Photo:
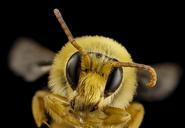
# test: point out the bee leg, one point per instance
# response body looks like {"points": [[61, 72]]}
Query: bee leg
{"points": [[116, 117], [137, 113], [38, 109], [60, 110]]}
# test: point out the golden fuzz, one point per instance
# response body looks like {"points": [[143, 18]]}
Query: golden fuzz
{"points": [[106, 46]]}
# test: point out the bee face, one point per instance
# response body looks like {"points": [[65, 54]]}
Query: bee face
{"points": [[93, 82], [90, 76], [88, 86]]}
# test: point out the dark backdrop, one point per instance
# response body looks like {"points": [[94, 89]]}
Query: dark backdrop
{"points": [[152, 32]]}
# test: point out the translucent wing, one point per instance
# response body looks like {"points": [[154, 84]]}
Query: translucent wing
{"points": [[169, 75], [30, 60]]}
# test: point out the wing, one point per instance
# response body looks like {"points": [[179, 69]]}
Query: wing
{"points": [[30, 60], [168, 74]]}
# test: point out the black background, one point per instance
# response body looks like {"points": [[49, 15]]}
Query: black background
{"points": [[152, 33]]}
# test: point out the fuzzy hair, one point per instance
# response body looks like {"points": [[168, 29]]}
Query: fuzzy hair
{"points": [[109, 47]]}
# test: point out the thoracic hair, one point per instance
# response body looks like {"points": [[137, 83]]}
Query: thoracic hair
{"points": [[122, 96]]}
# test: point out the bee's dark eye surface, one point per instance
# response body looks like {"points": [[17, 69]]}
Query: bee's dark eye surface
{"points": [[73, 69], [114, 80]]}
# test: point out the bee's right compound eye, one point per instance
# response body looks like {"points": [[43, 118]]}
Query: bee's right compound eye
{"points": [[73, 69]]}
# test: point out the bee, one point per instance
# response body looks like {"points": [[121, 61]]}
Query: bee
{"points": [[92, 82]]}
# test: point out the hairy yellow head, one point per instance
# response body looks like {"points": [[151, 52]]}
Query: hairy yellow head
{"points": [[91, 81], [94, 71]]}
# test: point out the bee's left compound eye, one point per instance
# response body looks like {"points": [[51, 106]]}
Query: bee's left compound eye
{"points": [[73, 69], [114, 81]]}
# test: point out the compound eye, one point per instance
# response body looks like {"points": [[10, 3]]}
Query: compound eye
{"points": [[114, 81], [73, 69]]}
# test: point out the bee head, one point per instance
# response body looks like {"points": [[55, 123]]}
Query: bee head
{"points": [[92, 76]]}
